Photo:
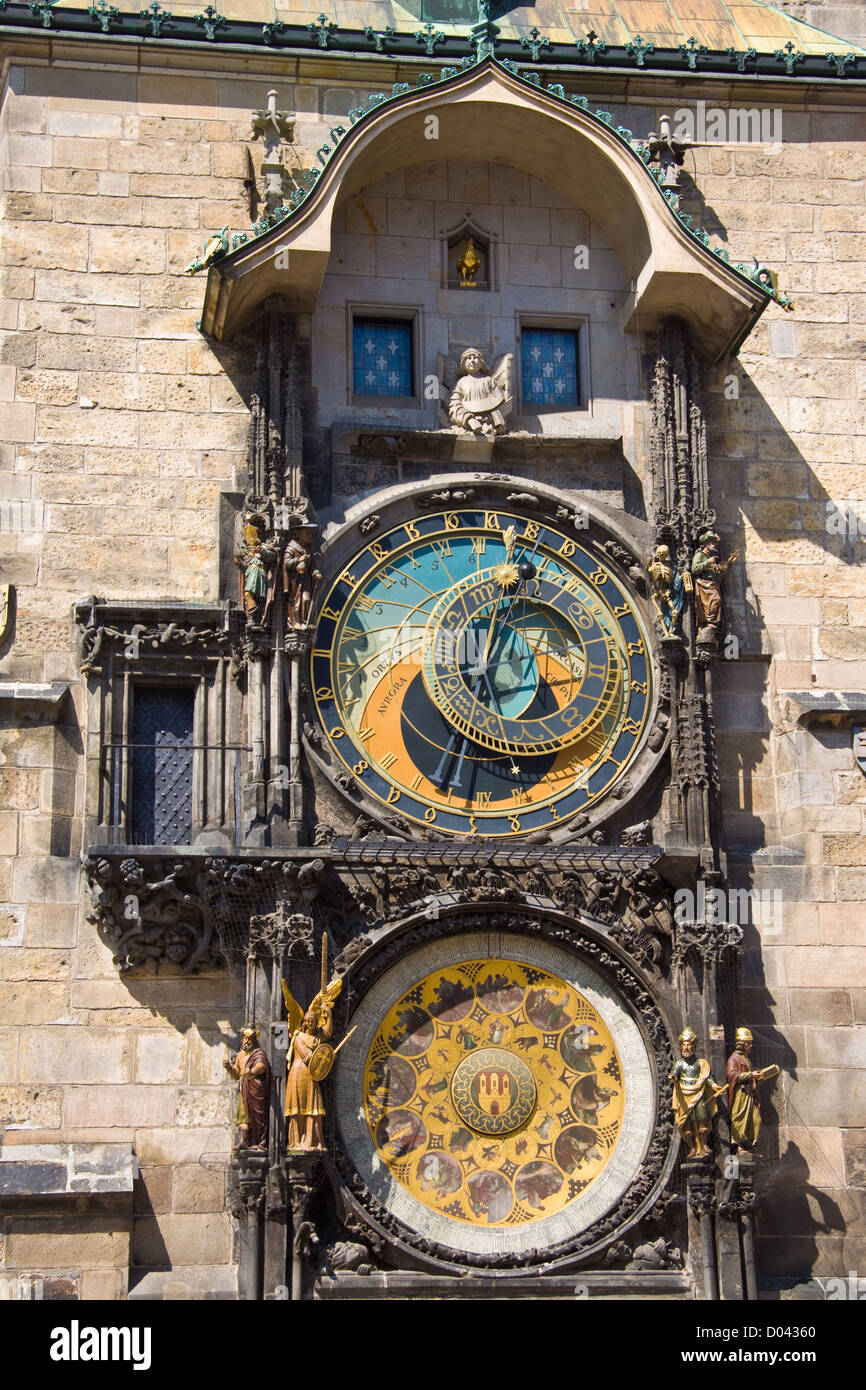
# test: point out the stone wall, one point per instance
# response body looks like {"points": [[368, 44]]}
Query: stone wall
{"points": [[124, 426], [847, 18], [548, 260]]}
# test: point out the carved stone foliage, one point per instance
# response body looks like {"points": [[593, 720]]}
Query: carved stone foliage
{"points": [[196, 912], [283, 933], [655, 1165], [153, 916], [107, 633], [247, 1183]]}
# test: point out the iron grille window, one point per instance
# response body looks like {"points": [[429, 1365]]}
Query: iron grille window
{"points": [[382, 357], [161, 766], [549, 367]]}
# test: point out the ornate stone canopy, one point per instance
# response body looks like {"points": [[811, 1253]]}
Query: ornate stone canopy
{"points": [[488, 112]]}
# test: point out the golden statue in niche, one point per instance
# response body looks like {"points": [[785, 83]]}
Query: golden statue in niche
{"points": [[468, 266]]}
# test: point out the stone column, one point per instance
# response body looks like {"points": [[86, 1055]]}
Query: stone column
{"points": [[251, 1168], [701, 1197], [303, 1175]]}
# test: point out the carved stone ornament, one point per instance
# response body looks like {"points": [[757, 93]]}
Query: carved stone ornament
{"points": [[153, 919], [656, 1254], [284, 933], [106, 633]]}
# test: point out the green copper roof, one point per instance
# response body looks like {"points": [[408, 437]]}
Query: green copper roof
{"points": [[666, 24], [731, 36]]}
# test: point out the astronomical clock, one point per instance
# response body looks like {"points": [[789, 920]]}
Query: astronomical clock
{"points": [[481, 673], [486, 692]]}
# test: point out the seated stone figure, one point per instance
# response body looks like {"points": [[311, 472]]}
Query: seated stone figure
{"points": [[480, 401]]}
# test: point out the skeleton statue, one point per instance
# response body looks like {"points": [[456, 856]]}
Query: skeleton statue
{"points": [[667, 590]]}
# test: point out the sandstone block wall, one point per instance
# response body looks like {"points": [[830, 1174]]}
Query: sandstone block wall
{"points": [[120, 427]]}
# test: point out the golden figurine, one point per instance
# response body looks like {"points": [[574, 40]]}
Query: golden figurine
{"points": [[742, 1088], [251, 1069], [309, 1060], [694, 1098], [468, 265]]}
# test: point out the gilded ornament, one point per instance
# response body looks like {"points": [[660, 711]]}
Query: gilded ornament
{"points": [[493, 1092]]}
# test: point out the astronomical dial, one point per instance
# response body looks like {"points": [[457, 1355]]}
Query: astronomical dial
{"points": [[481, 673]]}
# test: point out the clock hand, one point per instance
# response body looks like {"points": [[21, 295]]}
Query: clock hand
{"points": [[440, 771], [491, 627], [509, 538], [517, 590], [480, 670]]}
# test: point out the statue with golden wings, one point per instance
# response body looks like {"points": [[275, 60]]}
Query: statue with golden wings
{"points": [[309, 1060]]}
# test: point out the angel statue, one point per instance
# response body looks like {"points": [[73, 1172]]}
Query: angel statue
{"points": [[309, 1060], [481, 400]]}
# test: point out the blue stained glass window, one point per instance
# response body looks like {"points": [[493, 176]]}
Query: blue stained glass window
{"points": [[381, 357], [549, 362]]}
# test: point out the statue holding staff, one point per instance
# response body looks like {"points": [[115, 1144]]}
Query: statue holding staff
{"points": [[252, 1071]]}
